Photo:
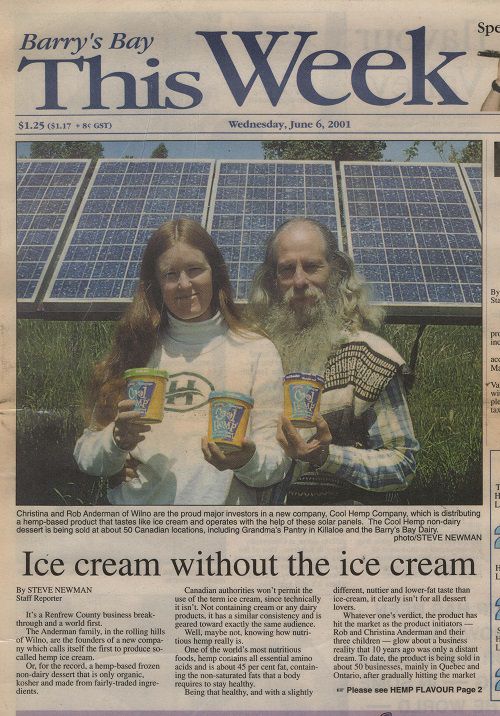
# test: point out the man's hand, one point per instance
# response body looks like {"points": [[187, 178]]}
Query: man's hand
{"points": [[230, 461], [128, 431], [314, 450]]}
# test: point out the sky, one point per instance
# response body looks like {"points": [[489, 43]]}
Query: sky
{"points": [[237, 149]]}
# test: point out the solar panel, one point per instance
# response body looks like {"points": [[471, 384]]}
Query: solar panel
{"points": [[46, 193], [413, 234], [125, 201], [251, 199], [473, 175]]}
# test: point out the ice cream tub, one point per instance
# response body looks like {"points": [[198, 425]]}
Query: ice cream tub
{"points": [[302, 395], [146, 387], [228, 419]]}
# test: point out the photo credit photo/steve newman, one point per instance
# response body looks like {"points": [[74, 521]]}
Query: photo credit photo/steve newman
{"points": [[250, 346]]}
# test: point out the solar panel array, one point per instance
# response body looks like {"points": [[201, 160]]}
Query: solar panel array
{"points": [[253, 198], [412, 232], [125, 201], [473, 176], [46, 193]]}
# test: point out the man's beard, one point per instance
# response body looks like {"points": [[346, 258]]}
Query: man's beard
{"points": [[305, 334]]}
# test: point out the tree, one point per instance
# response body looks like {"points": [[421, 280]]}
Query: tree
{"points": [[325, 150], [160, 152], [472, 152], [67, 150]]}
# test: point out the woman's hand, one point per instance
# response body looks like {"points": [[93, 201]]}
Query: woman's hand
{"points": [[126, 474], [231, 461], [128, 431], [314, 450]]}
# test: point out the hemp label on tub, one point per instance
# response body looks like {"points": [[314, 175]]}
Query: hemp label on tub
{"points": [[226, 418], [303, 399], [141, 393]]}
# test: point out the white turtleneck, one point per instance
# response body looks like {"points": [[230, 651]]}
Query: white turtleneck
{"points": [[200, 356]]}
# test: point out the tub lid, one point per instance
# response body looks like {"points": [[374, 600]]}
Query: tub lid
{"points": [[144, 372], [305, 376], [228, 395]]}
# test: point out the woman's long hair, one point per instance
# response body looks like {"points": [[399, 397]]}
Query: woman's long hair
{"points": [[138, 330]]}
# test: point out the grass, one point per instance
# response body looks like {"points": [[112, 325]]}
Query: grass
{"points": [[55, 359], [446, 408]]}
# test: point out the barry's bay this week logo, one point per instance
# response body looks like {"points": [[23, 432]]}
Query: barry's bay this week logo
{"points": [[281, 63]]}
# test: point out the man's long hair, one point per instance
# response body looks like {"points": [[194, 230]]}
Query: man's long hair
{"points": [[146, 318], [349, 293]]}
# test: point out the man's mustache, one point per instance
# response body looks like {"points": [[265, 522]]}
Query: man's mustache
{"points": [[309, 292]]}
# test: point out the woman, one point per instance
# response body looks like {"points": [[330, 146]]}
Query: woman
{"points": [[183, 319]]}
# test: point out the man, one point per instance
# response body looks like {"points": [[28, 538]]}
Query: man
{"points": [[315, 308]]}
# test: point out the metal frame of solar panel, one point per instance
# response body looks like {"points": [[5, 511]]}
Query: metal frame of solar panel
{"points": [[125, 201], [252, 198], [47, 190], [413, 233], [473, 176]]}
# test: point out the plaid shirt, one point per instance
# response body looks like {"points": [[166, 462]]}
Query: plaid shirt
{"points": [[386, 461]]}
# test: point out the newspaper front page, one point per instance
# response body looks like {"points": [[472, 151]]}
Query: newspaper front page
{"points": [[378, 119]]}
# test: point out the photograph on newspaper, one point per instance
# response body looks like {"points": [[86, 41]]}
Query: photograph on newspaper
{"points": [[250, 308], [301, 230]]}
